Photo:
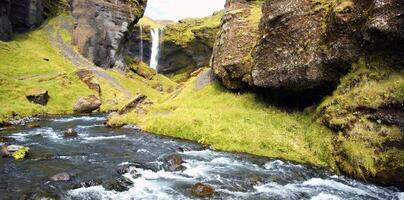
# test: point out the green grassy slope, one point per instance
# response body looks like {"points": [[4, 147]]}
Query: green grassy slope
{"points": [[32, 61], [236, 122]]}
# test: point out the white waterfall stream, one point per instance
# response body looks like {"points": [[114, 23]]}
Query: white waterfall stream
{"points": [[141, 43], [154, 59]]}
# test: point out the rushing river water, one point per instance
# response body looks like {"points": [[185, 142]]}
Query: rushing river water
{"points": [[93, 158]]}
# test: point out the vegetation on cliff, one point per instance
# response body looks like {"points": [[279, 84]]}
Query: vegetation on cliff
{"points": [[33, 62]]}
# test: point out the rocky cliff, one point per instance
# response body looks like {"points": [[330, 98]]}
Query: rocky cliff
{"points": [[21, 16], [231, 59], [188, 43], [299, 52], [102, 28]]}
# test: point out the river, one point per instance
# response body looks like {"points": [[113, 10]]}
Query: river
{"points": [[94, 158]]}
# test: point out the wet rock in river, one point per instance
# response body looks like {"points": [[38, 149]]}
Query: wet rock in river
{"points": [[173, 162], [86, 184], [71, 133], [123, 169], [60, 177], [202, 190], [120, 185], [254, 180]]}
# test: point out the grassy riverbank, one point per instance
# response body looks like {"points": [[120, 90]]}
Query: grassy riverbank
{"points": [[236, 122]]}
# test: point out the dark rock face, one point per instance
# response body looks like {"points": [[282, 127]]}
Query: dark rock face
{"points": [[27, 14], [385, 27], [87, 104], [40, 97], [287, 57], [231, 60], [20, 16], [5, 24], [140, 44], [102, 29], [188, 44]]}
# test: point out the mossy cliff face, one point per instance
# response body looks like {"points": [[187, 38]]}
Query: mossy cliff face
{"points": [[305, 49], [188, 43], [231, 59], [102, 29]]}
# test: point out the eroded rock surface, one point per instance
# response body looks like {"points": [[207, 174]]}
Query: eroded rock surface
{"points": [[231, 59], [102, 28], [87, 104]]}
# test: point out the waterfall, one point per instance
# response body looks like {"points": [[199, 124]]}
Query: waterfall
{"points": [[141, 43], [154, 59]]}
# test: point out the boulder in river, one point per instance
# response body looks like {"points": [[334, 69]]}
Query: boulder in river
{"points": [[87, 104], [71, 133], [120, 185], [254, 180], [40, 97], [60, 177], [173, 162], [202, 190]]}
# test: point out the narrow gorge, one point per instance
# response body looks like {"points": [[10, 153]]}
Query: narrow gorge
{"points": [[202, 99]]}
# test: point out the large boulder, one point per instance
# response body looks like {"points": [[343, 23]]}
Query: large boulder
{"points": [[385, 27], [291, 54], [231, 59], [102, 29], [38, 96], [87, 104]]}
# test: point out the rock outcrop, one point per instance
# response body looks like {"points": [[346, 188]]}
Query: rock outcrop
{"points": [[102, 28], [231, 59], [21, 16], [188, 43], [87, 104], [305, 50], [39, 97], [5, 24]]}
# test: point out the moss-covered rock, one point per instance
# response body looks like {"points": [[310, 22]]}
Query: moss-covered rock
{"points": [[366, 111], [188, 43], [231, 59]]}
